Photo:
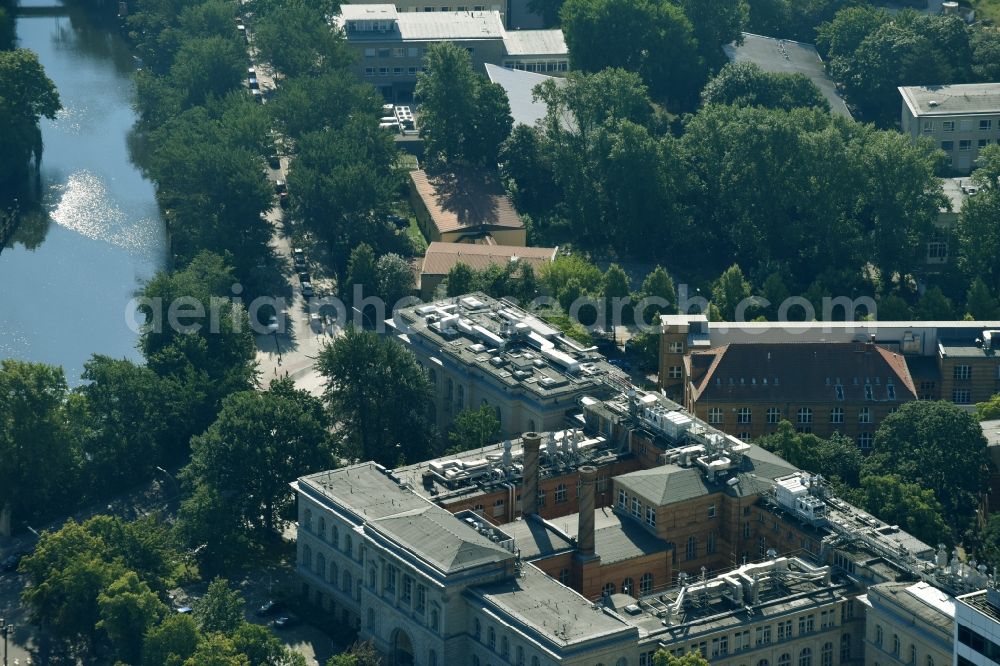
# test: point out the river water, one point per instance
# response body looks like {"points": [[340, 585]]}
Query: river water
{"points": [[74, 266]]}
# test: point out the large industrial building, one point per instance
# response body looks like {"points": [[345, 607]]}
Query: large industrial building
{"points": [[630, 527]]}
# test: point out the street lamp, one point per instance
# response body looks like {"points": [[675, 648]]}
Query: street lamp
{"points": [[6, 629]]}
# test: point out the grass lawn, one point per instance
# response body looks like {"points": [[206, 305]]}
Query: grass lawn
{"points": [[987, 9]]}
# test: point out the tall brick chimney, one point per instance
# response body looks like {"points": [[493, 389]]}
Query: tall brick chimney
{"points": [[585, 533], [531, 441]]}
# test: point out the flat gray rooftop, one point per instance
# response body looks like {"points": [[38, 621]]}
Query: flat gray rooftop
{"points": [[557, 614], [388, 508], [960, 99], [517, 350], [535, 42], [783, 56], [524, 108]]}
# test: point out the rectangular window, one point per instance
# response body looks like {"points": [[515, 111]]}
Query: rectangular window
{"points": [[398, 53], [390, 579], [773, 414], [675, 372], [560, 494], [837, 415], [710, 546], [985, 125], [407, 595], [865, 415], [865, 440], [715, 415], [541, 498], [961, 372], [622, 499], [965, 144], [743, 415], [398, 71], [784, 630], [711, 511], [928, 126], [948, 125], [675, 347], [890, 392], [369, 71], [965, 125], [384, 53], [764, 635], [370, 53], [383, 71], [982, 143], [947, 146], [961, 397], [651, 516], [421, 598], [805, 415], [636, 508]]}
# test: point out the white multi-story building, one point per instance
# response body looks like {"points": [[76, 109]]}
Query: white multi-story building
{"points": [[960, 119], [977, 628]]}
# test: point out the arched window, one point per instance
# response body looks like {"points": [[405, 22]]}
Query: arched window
{"points": [[307, 557], [504, 647], [608, 589], [806, 657], [432, 375], [826, 655], [333, 573], [628, 586], [534, 661], [785, 659], [646, 583], [930, 660], [432, 658], [519, 660], [477, 629], [348, 545], [895, 644], [763, 662], [435, 618], [622, 661], [371, 618], [878, 635], [371, 577], [845, 649], [491, 638], [692, 548], [321, 529], [307, 519], [475, 660], [346, 584], [320, 564], [531, 425], [335, 536]]}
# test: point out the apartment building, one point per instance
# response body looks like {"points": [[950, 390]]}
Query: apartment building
{"points": [[958, 361], [960, 119], [480, 351], [390, 45], [404, 6]]}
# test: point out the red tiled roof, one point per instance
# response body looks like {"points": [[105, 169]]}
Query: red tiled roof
{"points": [[442, 257], [799, 372], [466, 200]]}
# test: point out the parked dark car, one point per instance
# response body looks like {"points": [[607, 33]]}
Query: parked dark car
{"points": [[304, 277], [273, 162]]}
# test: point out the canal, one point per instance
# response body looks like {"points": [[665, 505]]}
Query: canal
{"points": [[78, 260]]}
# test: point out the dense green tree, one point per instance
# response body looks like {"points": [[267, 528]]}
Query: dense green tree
{"points": [[528, 172], [40, 451], [938, 446], [217, 650], [569, 277], [312, 103], [977, 232], [935, 306], [912, 507], [729, 291], [744, 83], [263, 648], [979, 302], [171, 642], [26, 96], [210, 523], [260, 441], [220, 609], [395, 279], [446, 90], [361, 271], [838, 458], [650, 37], [206, 66], [128, 609], [715, 23], [989, 410], [892, 307], [986, 54], [658, 285], [296, 38], [460, 280], [359, 654], [211, 361], [463, 117], [342, 182], [693, 658], [792, 19], [473, 429], [212, 18], [380, 395]]}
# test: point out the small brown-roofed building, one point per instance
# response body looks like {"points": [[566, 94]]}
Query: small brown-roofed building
{"points": [[440, 258], [464, 206], [821, 387]]}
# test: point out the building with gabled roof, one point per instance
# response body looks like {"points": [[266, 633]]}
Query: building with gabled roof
{"points": [[820, 387], [441, 257], [464, 207]]}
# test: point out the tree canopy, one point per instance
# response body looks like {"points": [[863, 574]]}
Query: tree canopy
{"points": [[744, 83], [26, 95]]}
